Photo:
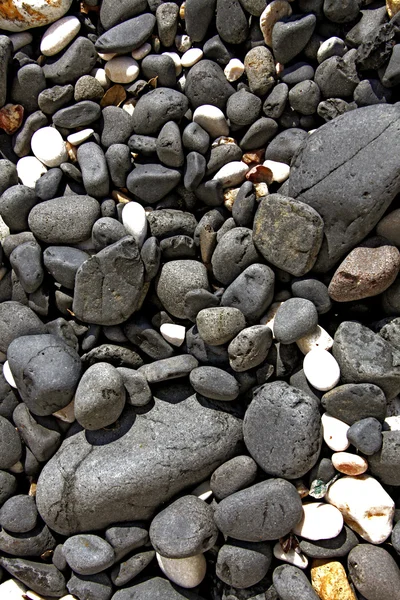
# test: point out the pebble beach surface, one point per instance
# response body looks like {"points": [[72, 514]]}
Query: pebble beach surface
{"points": [[200, 300]]}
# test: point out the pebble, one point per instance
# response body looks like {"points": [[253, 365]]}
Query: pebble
{"points": [[211, 119], [374, 572], [219, 325], [280, 171], [329, 580], [49, 147], [352, 402], [320, 521], [135, 222], [243, 564], [122, 69], [214, 383], [366, 435], [234, 475], [231, 174], [19, 18], [260, 69], [10, 444], [172, 286], [77, 60], [8, 376], [291, 583], [249, 348], [234, 70], [293, 557], [127, 36], [87, 554], [18, 514], [335, 433], [273, 13], [321, 369], [30, 169], [80, 136], [332, 548], [191, 57], [349, 464], [295, 318], [59, 35], [317, 339], [174, 334], [185, 572]]}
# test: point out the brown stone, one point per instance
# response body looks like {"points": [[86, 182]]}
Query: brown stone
{"points": [[329, 580], [260, 174], [11, 117], [365, 272]]}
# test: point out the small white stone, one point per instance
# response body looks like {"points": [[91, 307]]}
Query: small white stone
{"points": [[212, 119], [191, 57], [320, 522], [234, 69], [59, 35], [292, 557], [365, 505], [29, 170], [202, 491], [321, 369], [182, 83], [316, 339], [393, 423], [349, 463], [122, 69], [186, 572], [280, 170], [101, 76], [19, 40], [177, 61], [66, 414], [108, 56], [32, 14], [232, 173], [335, 433], [174, 334], [135, 221], [49, 147], [12, 590], [269, 318], [142, 51], [80, 136], [8, 376], [129, 106], [183, 42]]}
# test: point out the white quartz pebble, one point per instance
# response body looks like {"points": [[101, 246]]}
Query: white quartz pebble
{"points": [[365, 505], [186, 572], [122, 69], [177, 61], [317, 338], [212, 119], [135, 221], [19, 40], [349, 463], [393, 423], [12, 590], [8, 376], [191, 57], [59, 35], [202, 491], [142, 51], [49, 147], [29, 170], [101, 77], [232, 173], [174, 334], [321, 369], [333, 46], [280, 170], [292, 557], [108, 56], [234, 69], [320, 521], [335, 433], [80, 136]]}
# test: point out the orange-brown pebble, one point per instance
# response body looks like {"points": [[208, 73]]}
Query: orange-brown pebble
{"points": [[329, 580], [349, 464], [11, 117], [260, 174]]}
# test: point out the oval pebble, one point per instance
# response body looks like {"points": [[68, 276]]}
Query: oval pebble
{"points": [[142, 51], [19, 40], [348, 463], [59, 35], [186, 572], [191, 57], [232, 174], [174, 334], [122, 69], [212, 119], [335, 433], [49, 147], [135, 221], [280, 170], [80, 136], [320, 521], [30, 169], [321, 369]]}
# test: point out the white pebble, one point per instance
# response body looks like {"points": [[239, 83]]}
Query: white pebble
{"points": [[108, 56], [183, 42], [191, 57], [232, 173], [12, 590], [292, 557], [186, 572], [349, 463], [122, 69], [129, 106], [321, 369], [135, 221], [101, 77], [316, 339], [280, 170], [59, 35], [8, 376], [177, 61], [49, 147], [19, 40], [142, 51], [29, 170], [320, 522], [393, 423], [212, 119], [174, 334], [202, 491], [335, 433], [365, 505], [234, 69], [80, 136]]}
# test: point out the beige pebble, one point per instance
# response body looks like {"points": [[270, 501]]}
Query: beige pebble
{"points": [[317, 338], [80, 136], [261, 190], [280, 171], [17, 468], [320, 521], [232, 173], [191, 57], [234, 69], [108, 56], [142, 51], [329, 580], [186, 572], [274, 12], [292, 556], [212, 119], [101, 76], [348, 463], [122, 69]]}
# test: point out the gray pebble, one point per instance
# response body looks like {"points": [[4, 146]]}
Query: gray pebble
{"points": [[77, 60], [243, 564], [219, 325], [90, 587], [198, 16], [234, 475], [275, 102], [10, 444], [234, 252], [22, 139], [335, 547], [195, 138], [374, 572], [366, 435], [136, 387], [17, 320], [294, 319], [259, 133], [127, 36], [80, 114], [250, 347], [8, 172], [151, 257], [42, 441], [251, 292], [32, 543], [221, 155], [15, 205], [314, 290], [88, 554], [130, 568], [385, 464], [231, 21], [296, 73], [352, 402], [169, 145], [19, 514], [156, 108], [291, 35], [167, 22], [62, 262], [118, 160], [169, 368], [151, 182], [214, 383], [106, 231], [112, 14], [291, 583], [161, 66], [207, 84], [54, 98], [117, 126], [176, 279], [304, 97], [47, 186], [27, 85], [195, 169], [43, 579], [141, 333], [26, 261], [94, 169], [8, 486], [126, 537], [342, 12], [88, 88]]}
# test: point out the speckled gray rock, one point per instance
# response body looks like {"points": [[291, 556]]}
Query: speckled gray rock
{"points": [[88, 554], [169, 368], [10, 444], [295, 318], [93, 165], [111, 14], [44, 579], [291, 583], [220, 324], [155, 587], [54, 98], [366, 435], [231, 21], [136, 387], [234, 475], [250, 347], [90, 587], [127, 36], [198, 16], [334, 548], [15, 205], [46, 371], [385, 464], [177, 278], [17, 320], [160, 453], [364, 357], [151, 182], [234, 252], [169, 145], [64, 220], [243, 564], [354, 401], [242, 515], [260, 70], [108, 286], [243, 108], [34, 542], [207, 84], [167, 15], [19, 514], [8, 486], [156, 108], [282, 430], [77, 60], [374, 572], [185, 528], [127, 537], [26, 261], [214, 383], [88, 88], [62, 262]]}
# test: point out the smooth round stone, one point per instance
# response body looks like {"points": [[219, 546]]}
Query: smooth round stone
{"points": [[186, 572], [141, 52], [19, 514], [349, 464], [365, 435], [374, 572], [30, 170], [320, 521], [280, 170], [352, 402], [135, 222], [317, 339], [212, 120], [214, 383], [289, 582], [174, 334], [234, 475], [220, 324], [80, 136], [321, 369], [177, 278], [243, 564], [292, 557], [295, 318], [59, 35], [88, 554], [232, 174], [335, 433], [122, 69], [234, 70], [10, 444], [366, 507], [17, 15], [49, 147], [8, 376], [191, 57]]}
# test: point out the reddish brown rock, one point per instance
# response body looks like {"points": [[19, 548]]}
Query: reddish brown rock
{"points": [[365, 272]]}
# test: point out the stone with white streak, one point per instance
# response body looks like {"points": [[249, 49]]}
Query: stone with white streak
{"points": [[191, 57], [122, 69], [292, 557], [318, 338], [59, 35], [174, 334], [349, 463], [320, 521], [135, 221], [212, 119], [335, 433], [186, 572], [232, 173], [234, 69], [321, 369], [29, 170], [366, 507], [49, 147], [280, 171], [19, 15]]}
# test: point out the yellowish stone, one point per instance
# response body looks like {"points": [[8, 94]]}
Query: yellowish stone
{"points": [[274, 12], [329, 580], [392, 7]]}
